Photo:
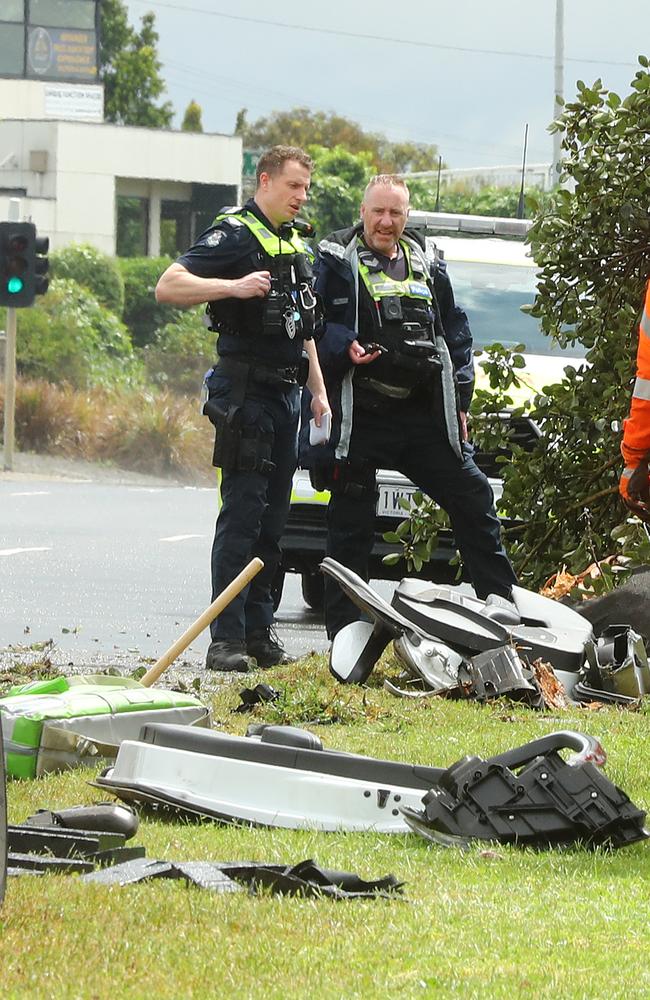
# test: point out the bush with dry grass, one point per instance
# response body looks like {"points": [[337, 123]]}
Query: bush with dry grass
{"points": [[154, 432]]}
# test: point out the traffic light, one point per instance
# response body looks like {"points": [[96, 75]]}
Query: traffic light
{"points": [[23, 264]]}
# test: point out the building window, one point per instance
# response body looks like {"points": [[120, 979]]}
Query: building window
{"points": [[132, 239], [13, 10], [12, 48], [62, 13], [174, 227]]}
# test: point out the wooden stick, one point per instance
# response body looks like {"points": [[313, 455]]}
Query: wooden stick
{"points": [[217, 606]]}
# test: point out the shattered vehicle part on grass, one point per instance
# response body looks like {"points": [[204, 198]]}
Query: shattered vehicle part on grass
{"points": [[102, 816], [457, 645], [618, 662], [259, 695], [546, 802], [305, 879], [65, 722], [284, 778], [37, 845]]}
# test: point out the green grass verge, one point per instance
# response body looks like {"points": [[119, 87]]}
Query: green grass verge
{"points": [[488, 922]]}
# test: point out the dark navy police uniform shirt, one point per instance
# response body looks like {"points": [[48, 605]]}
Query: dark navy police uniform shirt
{"points": [[230, 252]]}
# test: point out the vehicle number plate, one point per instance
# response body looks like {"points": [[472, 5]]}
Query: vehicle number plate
{"points": [[388, 504]]}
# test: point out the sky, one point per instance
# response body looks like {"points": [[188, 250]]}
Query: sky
{"points": [[467, 75]]}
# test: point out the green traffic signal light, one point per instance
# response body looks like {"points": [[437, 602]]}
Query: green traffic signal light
{"points": [[23, 264]]}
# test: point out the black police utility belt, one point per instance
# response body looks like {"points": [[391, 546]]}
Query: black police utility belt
{"points": [[289, 308], [402, 326]]}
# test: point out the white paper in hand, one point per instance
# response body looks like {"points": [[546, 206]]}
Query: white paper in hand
{"points": [[320, 435]]}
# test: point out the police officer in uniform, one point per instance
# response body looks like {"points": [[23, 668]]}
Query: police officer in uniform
{"points": [[397, 361], [254, 271]]}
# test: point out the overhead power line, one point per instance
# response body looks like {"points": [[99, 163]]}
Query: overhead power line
{"points": [[374, 38]]}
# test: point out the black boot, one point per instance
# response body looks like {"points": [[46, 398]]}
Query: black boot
{"points": [[264, 645], [227, 655]]}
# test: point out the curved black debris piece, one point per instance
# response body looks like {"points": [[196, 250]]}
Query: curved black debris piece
{"points": [[102, 817], [308, 879], [547, 802], [250, 697]]}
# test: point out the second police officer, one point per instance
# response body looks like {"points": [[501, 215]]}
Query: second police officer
{"points": [[397, 359]]}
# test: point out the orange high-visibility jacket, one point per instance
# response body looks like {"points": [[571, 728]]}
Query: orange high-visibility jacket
{"points": [[636, 429]]}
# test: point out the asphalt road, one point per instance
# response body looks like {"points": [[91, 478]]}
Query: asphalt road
{"points": [[114, 570]]}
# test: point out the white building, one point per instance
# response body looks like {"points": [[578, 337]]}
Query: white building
{"points": [[123, 189]]}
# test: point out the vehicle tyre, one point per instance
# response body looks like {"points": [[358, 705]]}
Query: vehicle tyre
{"points": [[313, 589]]}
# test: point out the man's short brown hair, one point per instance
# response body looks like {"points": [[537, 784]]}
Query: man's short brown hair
{"points": [[386, 180], [273, 160]]}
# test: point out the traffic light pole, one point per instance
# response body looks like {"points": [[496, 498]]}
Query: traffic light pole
{"points": [[10, 368], [10, 390]]}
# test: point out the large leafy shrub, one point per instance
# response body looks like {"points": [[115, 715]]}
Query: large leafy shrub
{"points": [[91, 268], [593, 248], [180, 353], [142, 314], [68, 336], [592, 243]]}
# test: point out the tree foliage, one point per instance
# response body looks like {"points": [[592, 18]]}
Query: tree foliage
{"points": [[338, 182], [192, 121], [69, 336], [129, 68], [593, 249], [303, 127], [592, 244], [487, 200], [93, 269]]}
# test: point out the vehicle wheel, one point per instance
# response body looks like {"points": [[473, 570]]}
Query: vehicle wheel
{"points": [[313, 589], [276, 588]]}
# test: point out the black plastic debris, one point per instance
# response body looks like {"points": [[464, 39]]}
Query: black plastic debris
{"points": [[308, 879], [106, 817], [60, 843], [547, 802], [250, 697], [303, 879], [44, 863], [45, 841]]}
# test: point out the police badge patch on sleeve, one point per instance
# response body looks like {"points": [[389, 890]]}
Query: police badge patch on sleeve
{"points": [[215, 238]]}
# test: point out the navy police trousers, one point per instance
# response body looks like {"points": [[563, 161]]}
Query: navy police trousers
{"points": [[406, 437]]}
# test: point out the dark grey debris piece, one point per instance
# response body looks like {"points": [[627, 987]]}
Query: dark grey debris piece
{"points": [[205, 874], [44, 863], [303, 879], [128, 873]]}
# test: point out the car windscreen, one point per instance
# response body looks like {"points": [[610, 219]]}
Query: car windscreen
{"points": [[492, 296]]}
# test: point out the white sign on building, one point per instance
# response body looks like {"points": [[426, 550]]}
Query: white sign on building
{"points": [[72, 101]]}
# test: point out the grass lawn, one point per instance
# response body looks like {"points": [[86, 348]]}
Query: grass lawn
{"points": [[489, 922]]}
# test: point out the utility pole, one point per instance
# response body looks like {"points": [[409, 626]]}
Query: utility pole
{"points": [[558, 86], [10, 367]]}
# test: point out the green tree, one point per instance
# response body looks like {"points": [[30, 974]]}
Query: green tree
{"points": [[192, 119], [129, 68], [592, 243], [338, 182], [304, 128], [593, 248]]}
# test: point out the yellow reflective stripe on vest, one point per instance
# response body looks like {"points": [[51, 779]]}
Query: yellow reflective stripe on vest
{"points": [[380, 284], [272, 244]]}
